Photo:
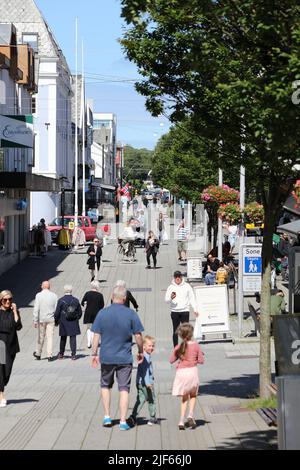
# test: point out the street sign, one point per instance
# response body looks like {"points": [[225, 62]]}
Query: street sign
{"points": [[194, 268], [251, 268], [212, 305], [250, 271]]}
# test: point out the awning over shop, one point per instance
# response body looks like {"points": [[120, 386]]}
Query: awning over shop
{"points": [[28, 181], [292, 228], [107, 187]]}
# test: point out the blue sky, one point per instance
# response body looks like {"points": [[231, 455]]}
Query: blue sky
{"points": [[107, 70]]}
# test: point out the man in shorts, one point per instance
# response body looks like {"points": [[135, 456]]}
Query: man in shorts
{"points": [[115, 325]]}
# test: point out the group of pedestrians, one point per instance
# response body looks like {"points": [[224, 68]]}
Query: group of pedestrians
{"points": [[113, 329], [110, 331], [49, 312]]}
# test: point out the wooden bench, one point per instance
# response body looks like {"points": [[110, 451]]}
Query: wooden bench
{"points": [[255, 317], [269, 415], [273, 389]]}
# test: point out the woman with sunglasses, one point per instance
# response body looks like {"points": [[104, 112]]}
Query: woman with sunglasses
{"points": [[10, 323]]}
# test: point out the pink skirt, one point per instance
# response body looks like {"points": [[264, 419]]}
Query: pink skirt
{"points": [[186, 381]]}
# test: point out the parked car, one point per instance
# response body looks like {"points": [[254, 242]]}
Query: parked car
{"points": [[69, 220]]}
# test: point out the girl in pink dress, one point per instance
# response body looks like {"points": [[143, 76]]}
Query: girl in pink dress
{"points": [[186, 382]]}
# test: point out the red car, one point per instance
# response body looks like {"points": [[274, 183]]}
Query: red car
{"points": [[69, 222]]}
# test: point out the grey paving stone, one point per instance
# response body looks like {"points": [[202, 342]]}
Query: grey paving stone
{"points": [[57, 405]]}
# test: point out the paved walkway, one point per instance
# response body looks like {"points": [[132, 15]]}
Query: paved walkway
{"points": [[57, 405]]}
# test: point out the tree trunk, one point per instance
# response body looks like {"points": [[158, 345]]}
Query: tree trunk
{"points": [[265, 319]]}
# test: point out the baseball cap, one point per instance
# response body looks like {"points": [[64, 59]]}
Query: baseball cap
{"points": [[177, 274]]}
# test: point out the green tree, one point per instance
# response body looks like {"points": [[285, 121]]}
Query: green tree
{"points": [[231, 66], [137, 164], [180, 165]]}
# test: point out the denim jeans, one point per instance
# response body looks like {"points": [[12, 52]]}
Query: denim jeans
{"points": [[210, 278]]}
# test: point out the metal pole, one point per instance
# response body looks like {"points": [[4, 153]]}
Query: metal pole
{"points": [[220, 228], [76, 125], [242, 199], [240, 293], [83, 135]]}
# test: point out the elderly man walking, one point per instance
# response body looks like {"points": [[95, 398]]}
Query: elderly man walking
{"points": [[43, 319], [67, 315], [115, 325]]}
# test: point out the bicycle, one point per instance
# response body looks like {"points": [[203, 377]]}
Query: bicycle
{"points": [[128, 252]]}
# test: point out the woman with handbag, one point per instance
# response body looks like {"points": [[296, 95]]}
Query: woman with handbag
{"points": [[10, 323], [95, 252], [151, 248]]}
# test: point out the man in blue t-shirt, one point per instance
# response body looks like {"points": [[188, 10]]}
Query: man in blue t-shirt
{"points": [[115, 325]]}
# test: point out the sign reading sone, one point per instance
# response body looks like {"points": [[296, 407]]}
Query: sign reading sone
{"points": [[252, 261]]}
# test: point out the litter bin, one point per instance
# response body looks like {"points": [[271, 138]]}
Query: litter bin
{"points": [[288, 412]]}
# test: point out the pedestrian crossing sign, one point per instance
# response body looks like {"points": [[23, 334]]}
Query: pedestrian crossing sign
{"points": [[252, 265]]}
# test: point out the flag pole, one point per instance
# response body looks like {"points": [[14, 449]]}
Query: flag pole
{"points": [[83, 132], [76, 125]]}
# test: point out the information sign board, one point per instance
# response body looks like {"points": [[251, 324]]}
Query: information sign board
{"points": [[212, 305], [251, 268], [194, 268]]}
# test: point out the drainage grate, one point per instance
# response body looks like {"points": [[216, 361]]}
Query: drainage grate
{"points": [[140, 289], [227, 409], [249, 356]]}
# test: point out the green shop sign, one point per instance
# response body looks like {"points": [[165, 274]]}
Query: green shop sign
{"points": [[16, 131]]}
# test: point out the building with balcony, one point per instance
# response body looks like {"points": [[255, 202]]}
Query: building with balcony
{"points": [[53, 156], [17, 83]]}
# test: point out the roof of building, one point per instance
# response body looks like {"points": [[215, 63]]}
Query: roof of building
{"points": [[27, 18], [5, 33]]}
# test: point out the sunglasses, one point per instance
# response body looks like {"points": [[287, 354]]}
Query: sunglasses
{"points": [[7, 300]]}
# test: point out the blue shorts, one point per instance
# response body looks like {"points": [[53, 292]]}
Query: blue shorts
{"points": [[123, 374]]}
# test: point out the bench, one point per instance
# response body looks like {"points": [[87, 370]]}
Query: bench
{"points": [[269, 415], [254, 314], [273, 389]]}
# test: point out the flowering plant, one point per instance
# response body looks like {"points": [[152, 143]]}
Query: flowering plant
{"points": [[230, 212], [296, 193], [219, 195], [254, 212]]}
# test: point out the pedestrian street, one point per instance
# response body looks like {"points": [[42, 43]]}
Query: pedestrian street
{"points": [[56, 405]]}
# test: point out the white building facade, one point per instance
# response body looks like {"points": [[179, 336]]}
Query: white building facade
{"points": [[54, 156], [105, 147]]}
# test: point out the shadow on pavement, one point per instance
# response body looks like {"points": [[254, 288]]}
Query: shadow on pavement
{"points": [[244, 386], [252, 440], [22, 400], [24, 279]]}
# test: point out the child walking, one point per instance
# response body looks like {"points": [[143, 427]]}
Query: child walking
{"points": [[186, 382], [145, 385]]}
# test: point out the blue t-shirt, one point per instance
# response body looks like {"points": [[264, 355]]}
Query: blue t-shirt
{"points": [[116, 324]]}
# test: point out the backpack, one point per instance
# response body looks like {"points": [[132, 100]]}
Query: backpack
{"points": [[70, 312]]}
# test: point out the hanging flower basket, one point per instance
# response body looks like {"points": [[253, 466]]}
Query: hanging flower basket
{"points": [[254, 212], [230, 213], [219, 195]]}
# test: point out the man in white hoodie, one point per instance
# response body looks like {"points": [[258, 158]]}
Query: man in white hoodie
{"points": [[43, 319], [181, 296]]}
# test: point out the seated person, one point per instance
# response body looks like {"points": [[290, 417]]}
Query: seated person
{"points": [[213, 265], [128, 235], [277, 303], [222, 274]]}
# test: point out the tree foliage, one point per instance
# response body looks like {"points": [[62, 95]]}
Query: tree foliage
{"points": [[137, 163], [230, 66]]}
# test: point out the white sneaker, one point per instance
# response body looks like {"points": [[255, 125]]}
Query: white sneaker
{"points": [[3, 403]]}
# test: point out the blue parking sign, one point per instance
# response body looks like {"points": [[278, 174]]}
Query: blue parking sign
{"points": [[252, 265]]}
